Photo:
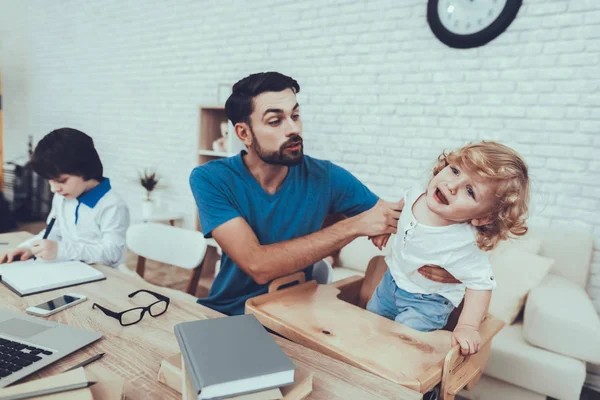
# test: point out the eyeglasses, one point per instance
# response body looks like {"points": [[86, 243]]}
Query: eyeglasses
{"points": [[135, 315]]}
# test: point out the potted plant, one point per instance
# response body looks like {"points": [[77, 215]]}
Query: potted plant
{"points": [[149, 181]]}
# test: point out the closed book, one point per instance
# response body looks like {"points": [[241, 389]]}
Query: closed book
{"points": [[230, 356]]}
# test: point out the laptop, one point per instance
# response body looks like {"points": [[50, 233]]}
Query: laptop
{"points": [[28, 344]]}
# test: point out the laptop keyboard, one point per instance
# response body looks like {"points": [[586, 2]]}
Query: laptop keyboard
{"points": [[15, 356]]}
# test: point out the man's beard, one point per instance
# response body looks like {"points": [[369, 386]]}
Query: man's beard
{"points": [[280, 157]]}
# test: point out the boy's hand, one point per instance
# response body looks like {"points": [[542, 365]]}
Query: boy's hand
{"points": [[16, 255], [45, 249], [380, 241], [468, 337]]}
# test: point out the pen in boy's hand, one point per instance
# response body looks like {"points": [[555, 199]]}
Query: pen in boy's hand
{"points": [[47, 231], [49, 228]]}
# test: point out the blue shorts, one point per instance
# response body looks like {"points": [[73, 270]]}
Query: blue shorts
{"points": [[419, 311]]}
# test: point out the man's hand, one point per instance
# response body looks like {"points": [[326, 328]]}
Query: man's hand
{"points": [[380, 219], [16, 255], [437, 274], [468, 337], [380, 241], [45, 249]]}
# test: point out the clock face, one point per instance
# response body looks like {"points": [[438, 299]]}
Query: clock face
{"points": [[466, 17], [470, 23]]}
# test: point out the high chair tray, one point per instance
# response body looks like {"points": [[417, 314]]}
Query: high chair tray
{"points": [[322, 317]]}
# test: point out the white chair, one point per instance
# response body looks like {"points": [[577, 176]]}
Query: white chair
{"points": [[170, 245]]}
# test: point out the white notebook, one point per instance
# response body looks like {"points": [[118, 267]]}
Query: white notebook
{"points": [[35, 276]]}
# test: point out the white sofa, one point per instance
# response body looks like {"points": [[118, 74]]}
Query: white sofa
{"points": [[544, 353]]}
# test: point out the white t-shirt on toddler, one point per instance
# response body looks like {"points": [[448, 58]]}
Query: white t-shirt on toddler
{"points": [[452, 247]]}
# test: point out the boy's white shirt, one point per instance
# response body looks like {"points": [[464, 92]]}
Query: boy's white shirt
{"points": [[452, 247], [99, 234]]}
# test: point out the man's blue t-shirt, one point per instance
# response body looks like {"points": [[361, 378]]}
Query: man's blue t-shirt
{"points": [[224, 189]]}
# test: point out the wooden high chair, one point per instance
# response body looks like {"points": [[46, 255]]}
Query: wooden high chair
{"points": [[332, 320]]}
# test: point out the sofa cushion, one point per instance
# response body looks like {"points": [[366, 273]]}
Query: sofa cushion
{"points": [[529, 243], [560, 317], [516, 272], [571, 251], [515, 361]]}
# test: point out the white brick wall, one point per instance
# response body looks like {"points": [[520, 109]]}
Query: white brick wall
{"points": [[380, 95], [14, 46]]}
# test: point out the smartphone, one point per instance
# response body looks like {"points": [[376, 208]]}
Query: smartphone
{"points": [[55, 305]]}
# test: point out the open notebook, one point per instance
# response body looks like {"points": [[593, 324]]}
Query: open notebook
{"points": [[35, 276]]}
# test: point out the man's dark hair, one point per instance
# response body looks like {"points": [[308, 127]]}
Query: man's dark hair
{"points": [[239, 105], [66, 151]]}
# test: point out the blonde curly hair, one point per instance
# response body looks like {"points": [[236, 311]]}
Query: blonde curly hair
{"points": [[505, 167]]}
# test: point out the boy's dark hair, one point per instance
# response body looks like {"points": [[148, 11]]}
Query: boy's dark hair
{"points": [[66, 151], [239, 106]]}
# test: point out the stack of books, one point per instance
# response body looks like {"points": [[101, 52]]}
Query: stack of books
{"points": [[232, 358]]}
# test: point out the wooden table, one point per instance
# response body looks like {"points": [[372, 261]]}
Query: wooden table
{"points": [[135, 352]]}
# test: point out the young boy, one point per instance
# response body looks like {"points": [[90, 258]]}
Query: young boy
{"points": [[477, 196], [91, 219]]}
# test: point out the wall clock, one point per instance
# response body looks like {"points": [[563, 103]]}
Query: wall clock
{"points": [[465, 24]]}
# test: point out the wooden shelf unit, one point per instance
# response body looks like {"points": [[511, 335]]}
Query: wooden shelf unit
{"points": [[210, 119]]}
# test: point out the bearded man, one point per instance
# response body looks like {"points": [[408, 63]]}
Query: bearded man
{"points": [[265, 207]]}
